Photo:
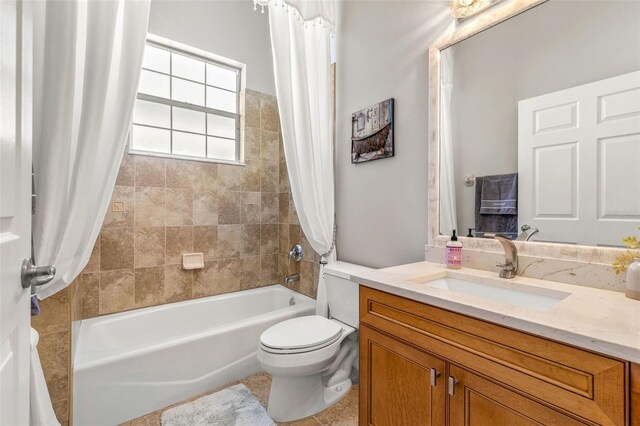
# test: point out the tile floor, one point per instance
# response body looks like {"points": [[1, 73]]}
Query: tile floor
{"points": [[344, 413]]}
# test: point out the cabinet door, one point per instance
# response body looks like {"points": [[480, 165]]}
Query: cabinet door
{"points": [[477, 401], [399, 385]]}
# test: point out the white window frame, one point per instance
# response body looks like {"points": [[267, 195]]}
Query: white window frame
{"points": [[208, 57]]}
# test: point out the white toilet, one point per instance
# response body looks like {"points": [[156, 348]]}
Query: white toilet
{"points": [[310, 358]]}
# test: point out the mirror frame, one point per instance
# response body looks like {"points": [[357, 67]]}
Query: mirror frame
{"points": [[484, 20]]}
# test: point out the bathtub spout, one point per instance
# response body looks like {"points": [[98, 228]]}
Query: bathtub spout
{"points": [[291, 278]]}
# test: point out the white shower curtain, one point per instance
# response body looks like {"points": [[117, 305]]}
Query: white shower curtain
{"points": [[87, 63], [301, 37], [448, 215]]}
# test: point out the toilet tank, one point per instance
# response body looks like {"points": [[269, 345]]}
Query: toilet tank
{"points": [[342, 293]]}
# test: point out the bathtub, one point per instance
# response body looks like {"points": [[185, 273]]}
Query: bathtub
{"points": [[132, 363]]}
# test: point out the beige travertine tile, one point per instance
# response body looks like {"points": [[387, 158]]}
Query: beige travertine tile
{"points": [[309, 253], [150, 171], [270, 207], [251, 205], [249, 272], [269, 239], [251, 143], [293, 215], [229, 207], [149, 247], [179, 206], [269, 270], [89, 295], [316, 277], [61, 409], [250, 242], [230, 177], [120, 219], [205, 207], [294, 236], [205, 241], [94, 261], [307, 286], [283, 178], [179, 241], [281, 147], [206, 281], [151, 419], [178, 284], [283, 238], [149, 286], [269, 146], [229, 241], [269, 175], [344, 413], [283, 266], [309, 421], [54, 313], [260, 385], [229, 275], [54, 352], [116, 248], [252, 109], [180, 174], [126, 173], [116, 291], [283, 207], [150, 206], [205, 177], [269, 119], [251, 176]]}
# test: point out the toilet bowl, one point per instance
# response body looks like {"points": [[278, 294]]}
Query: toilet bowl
{"points": [[310, 358]]}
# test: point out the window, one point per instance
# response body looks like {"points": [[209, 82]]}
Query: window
{"points": [[187, 104]]}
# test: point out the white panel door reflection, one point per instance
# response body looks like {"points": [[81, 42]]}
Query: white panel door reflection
{"points": [[579, 162]]}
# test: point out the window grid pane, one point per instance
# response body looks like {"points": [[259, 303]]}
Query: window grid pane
{"points": [[198, 132]]}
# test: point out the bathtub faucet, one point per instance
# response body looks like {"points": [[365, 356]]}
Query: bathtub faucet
{"points": [[291, 278]]}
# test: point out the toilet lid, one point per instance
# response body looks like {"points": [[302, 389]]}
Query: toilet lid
{"points": [[303, 332]]}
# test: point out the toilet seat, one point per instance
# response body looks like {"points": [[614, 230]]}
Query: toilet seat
{"points": [[302, 334]]}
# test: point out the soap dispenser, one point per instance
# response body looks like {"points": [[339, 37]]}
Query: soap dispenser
{"points": [[454, 252]]}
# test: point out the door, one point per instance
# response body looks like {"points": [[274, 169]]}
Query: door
{"points": [[399, 385], [578, 156], [15, 208], [474, 401]]}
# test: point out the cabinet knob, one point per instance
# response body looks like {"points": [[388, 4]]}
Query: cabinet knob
{"points": [[434, 376], [452, 385]]}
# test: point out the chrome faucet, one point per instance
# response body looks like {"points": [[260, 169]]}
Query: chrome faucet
{"points": [[510, 267], [527, 233], [291, 278]]}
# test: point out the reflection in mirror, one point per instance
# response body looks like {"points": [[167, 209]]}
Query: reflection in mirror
{"points": [[540, 126]]}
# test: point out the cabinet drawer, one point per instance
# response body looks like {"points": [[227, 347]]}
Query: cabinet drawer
{"points": [[583, 383]]}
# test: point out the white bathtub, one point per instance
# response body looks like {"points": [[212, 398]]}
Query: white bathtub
{"points": [[132, 363]]}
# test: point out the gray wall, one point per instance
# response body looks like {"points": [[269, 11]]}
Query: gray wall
{"points": [[229, 28], [382, 53], [554, 46]]}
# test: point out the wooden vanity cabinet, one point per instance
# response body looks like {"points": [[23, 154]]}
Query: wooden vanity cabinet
{"points": [[422, 365], [405, 386]]}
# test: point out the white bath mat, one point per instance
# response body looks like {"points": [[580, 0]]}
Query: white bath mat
{"points": [[234, 406]]}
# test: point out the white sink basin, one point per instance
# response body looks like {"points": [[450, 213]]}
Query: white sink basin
{"points": [[535, 298]]}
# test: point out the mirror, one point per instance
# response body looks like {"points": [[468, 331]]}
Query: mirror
{"points": [[540, 126]]}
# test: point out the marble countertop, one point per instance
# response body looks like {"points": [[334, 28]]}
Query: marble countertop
{"points": [[599, 320]]}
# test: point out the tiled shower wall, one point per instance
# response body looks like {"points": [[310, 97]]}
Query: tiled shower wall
{"points": [[241, 217]]}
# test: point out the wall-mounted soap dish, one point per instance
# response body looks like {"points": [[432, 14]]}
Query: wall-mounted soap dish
{"points": [[192, 261]]}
